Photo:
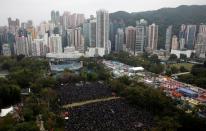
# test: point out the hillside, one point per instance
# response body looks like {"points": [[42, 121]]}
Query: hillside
{"points": [[164, 17]]}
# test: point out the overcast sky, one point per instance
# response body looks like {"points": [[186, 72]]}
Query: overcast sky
{"points": [[39, 10]]}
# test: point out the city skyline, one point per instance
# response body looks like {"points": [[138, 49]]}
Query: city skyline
{"points": [[31, 10]]}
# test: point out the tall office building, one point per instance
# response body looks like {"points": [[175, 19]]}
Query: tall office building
{"points": [[140, 39], [114, 26], [168, 38], [190, 37], [55, 17], [152, 37], [55, 43], [130, 33], [102, 29], [175, 44], [200, 46], [119, 40], [92, 33], [86, 29]]}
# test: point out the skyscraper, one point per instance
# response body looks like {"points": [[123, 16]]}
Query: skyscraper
{"points": [[102, 29], [130, 33], [119, 40], [21, 46], [57, 18], [80, 19], [55, 43], [113, 30], [14, 25], [200, 46], [152, 37], [140, 39], [53, 16], [190, 37], [168, 38], [92, 33], [175, 44], [182, 37], [86, 29], [65, 20], [75, 38]]}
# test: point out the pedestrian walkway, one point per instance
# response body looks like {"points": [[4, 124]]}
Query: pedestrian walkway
{"points": [[77, 104]]}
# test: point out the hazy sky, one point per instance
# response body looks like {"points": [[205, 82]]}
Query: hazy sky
{"points": [[39, 10]]}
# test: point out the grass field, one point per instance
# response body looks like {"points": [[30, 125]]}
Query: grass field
{"points": [[188, 66]]}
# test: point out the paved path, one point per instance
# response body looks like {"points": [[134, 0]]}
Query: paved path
{"points": [[77, 104], [178, 74]]}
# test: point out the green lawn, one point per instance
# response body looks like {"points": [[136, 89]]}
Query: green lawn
{"points": [[188, 66]]}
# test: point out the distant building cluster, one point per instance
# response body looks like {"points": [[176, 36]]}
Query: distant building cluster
{"points": [[67, 33], [97, 36], [190, 40]]}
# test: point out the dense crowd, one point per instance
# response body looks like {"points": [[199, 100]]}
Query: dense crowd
{"points": [[71, 93], [114, 115]]}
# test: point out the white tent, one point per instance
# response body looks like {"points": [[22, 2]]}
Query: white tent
{"points": [[6, 111]]}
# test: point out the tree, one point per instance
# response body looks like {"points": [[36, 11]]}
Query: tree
{"points": [[156, 68], [183, 57], [9, 93], [183, 69], [192, 56], [26, 126], [174, 70], [205, 64], [154, 59], [173, 57]]}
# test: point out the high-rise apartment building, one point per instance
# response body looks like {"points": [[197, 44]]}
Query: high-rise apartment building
{"points": [[200, 46], [102, 29], [175, 44], [21, 46], [92, 33], [55, 43], [140, 39], [152, 37], [130, 33], [190, 37], [80, 19], [168, 38], [14, 25], [75, 38]]}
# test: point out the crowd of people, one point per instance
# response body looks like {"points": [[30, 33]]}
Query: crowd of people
{"points": [[114, 115], [71, 93]]}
